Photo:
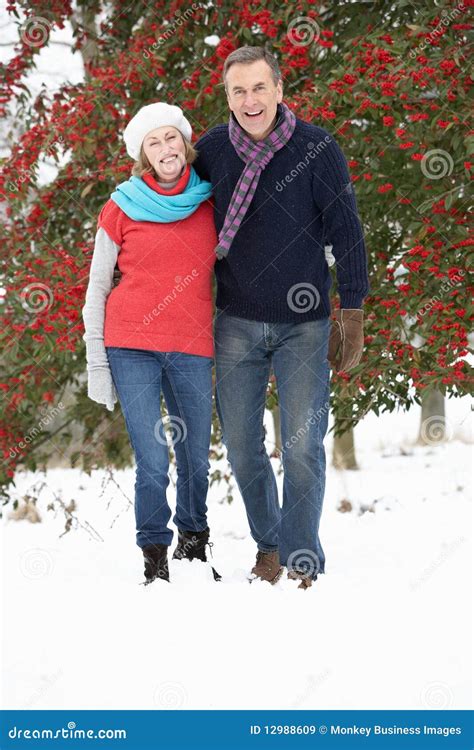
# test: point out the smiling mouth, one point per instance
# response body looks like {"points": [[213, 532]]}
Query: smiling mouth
{"points": [[254, 115], [168, 159]]}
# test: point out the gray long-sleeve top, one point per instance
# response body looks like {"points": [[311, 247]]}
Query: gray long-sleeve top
{"points": [[100, 285]]}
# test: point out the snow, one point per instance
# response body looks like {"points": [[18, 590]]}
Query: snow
{"points": [[387, 627]]}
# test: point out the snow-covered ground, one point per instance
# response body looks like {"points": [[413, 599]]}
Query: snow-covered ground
{"points": [[388, 627]]}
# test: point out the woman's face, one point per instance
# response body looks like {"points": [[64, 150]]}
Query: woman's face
{"points": [[166, 152]]}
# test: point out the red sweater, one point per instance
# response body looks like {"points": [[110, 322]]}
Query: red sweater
{"points": [[164, 299]]}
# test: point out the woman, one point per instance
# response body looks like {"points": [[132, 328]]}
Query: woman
{"points": [[152, 333]]}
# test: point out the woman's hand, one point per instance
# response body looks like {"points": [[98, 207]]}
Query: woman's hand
{"points": [[100, 387]]}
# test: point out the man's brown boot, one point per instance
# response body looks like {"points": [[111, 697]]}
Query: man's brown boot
{"points": [[305, 581], [267, 566]]}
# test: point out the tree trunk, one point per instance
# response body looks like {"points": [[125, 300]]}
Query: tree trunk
{"points": [[433, 419], [343, 452], [277, 427], [86, 18]]}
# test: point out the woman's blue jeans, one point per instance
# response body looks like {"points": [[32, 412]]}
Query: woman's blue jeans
{"points": [[140, 377], [245, 352]]}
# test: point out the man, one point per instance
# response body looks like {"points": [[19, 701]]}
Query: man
{"points": [[282, 192]]}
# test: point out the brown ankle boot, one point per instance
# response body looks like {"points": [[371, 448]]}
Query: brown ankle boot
{"points": [[267, 566], [305, 581]]}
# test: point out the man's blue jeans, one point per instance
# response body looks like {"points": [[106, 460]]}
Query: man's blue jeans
{"points": [[140, 376], [245, 352]]}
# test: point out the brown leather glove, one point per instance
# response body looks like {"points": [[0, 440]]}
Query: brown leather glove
{"points": [[346, 339]]}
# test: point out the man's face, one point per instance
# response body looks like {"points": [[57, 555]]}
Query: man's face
{"points": [[253, 97]]}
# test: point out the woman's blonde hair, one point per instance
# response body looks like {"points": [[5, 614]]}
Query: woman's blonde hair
{"points": [[142, 165]]}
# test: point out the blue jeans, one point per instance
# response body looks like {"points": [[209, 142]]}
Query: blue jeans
{"points": [[140, 376], [245, 352]]}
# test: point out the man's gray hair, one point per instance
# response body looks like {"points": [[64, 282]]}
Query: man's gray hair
{"points": [[247, 55]]}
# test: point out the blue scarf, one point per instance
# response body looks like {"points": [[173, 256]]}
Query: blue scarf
{"points": [[141, 203]]}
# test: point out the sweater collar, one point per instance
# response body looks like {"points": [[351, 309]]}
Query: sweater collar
{"points": [[178, 188]]}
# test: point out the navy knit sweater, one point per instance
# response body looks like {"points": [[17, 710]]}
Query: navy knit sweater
{"points": [[276, 270]]}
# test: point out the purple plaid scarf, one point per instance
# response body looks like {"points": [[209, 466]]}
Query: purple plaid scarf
{"points": [[256, 156]]}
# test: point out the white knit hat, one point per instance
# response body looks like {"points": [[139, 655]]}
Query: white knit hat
{"points": [[150, 117]]}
